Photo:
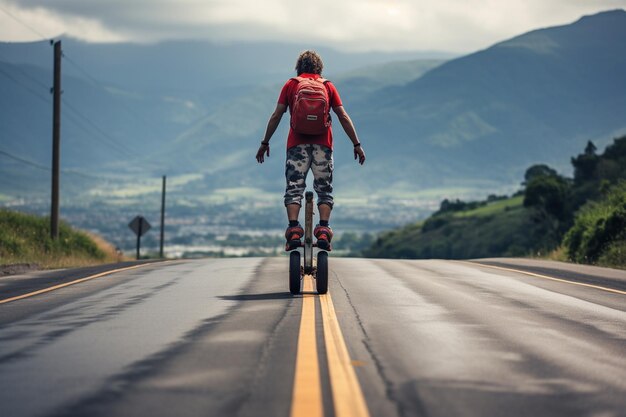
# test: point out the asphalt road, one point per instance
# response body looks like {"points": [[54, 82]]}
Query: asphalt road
{"points": [[220, 337]]}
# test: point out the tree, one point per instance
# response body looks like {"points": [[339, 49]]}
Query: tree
{"points": [[548, 193], [616, 150], [455, 205], [591, 148], [548, 198], [585, 164], [539, 170]]}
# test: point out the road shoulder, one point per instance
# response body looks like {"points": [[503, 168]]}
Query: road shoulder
{"points": [[585, 274], [18, 285]]}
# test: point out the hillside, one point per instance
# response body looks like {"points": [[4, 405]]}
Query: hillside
{"points": [[474, 122], [537, 97], [584, 218], [192, 69], [154, 109], [432, 130], [495, 227], [469, 123], [25, 238]]}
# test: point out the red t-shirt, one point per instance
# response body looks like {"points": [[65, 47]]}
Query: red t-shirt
{"points": [[287, 95]]}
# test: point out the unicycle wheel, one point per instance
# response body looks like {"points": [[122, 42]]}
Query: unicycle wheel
{"points": [[295, 272], [321, 278]]}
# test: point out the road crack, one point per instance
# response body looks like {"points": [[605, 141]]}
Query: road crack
{"points": [[390, 389]]}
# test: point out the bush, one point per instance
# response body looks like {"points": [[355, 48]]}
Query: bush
{"points": [[614, 255], [26, 238], [599, 231]]}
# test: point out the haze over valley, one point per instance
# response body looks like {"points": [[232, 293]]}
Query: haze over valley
{"points": [[434, 126]]}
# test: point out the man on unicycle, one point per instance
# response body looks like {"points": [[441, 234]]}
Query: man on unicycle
{"points": [[309, 98]]}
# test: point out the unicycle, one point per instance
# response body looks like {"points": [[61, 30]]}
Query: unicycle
{"points": [[318, 271]]}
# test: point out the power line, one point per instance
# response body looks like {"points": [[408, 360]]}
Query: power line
{"points": [[78, 122], [97, 83], [36, 81], [24, 161], [82, 174], [26, 25], [100, 84], [83, 71], [26, 87], [27, 75], [113, 142], [45, 168], [77, 114]]}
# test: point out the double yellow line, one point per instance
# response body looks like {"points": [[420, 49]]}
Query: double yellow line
{"points": [[348, 400]]}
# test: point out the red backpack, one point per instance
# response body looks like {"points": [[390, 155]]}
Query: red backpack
{"points": [[310, 113]]}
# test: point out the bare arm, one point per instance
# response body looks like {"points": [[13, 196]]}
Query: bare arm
{"points": [[346, 123], [272, 125], [348, 127], [274, 121]]}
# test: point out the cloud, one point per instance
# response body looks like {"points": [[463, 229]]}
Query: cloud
{"points": [[32, 23], [450, 25]]}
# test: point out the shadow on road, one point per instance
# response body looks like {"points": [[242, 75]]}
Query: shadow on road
{"points": [[257, 297]]}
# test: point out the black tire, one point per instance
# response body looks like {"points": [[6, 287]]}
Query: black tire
{"points": [[294, 272], [321, 278]]}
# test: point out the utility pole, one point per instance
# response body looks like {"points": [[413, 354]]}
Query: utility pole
{"points": [[56, 142], [162, 217]]}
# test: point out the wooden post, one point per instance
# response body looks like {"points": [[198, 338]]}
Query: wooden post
{"points": [[139, 232], [56, 142], [162, 218]]}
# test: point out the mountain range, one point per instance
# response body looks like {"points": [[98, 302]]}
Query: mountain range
{"points": [[427, 121], [535, 98]]}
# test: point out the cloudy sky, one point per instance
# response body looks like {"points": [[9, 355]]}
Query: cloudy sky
{"points": [[386, 25]]}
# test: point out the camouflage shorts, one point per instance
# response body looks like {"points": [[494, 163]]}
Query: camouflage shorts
{"points": [[301, 158]]}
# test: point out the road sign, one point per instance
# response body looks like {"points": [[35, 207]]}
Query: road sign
{"points": [[139, 225]]}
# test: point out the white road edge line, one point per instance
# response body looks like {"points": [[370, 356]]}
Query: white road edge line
{"points": [[532, 274]]}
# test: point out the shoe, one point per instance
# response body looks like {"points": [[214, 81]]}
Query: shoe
{"points": [[293, 234], [323, 234]]}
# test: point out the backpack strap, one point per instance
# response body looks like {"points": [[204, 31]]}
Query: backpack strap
{"points": [[330, 98], [322, 80]]}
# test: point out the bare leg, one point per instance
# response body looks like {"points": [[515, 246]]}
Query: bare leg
{"points": [[293, 211], [324, 210]]}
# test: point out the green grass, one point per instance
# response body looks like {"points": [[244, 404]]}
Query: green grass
{"points": [[494, 228], [493, 207], [25, 238]]}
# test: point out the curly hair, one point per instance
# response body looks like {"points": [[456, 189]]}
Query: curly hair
{"points": [[309, 62]]}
